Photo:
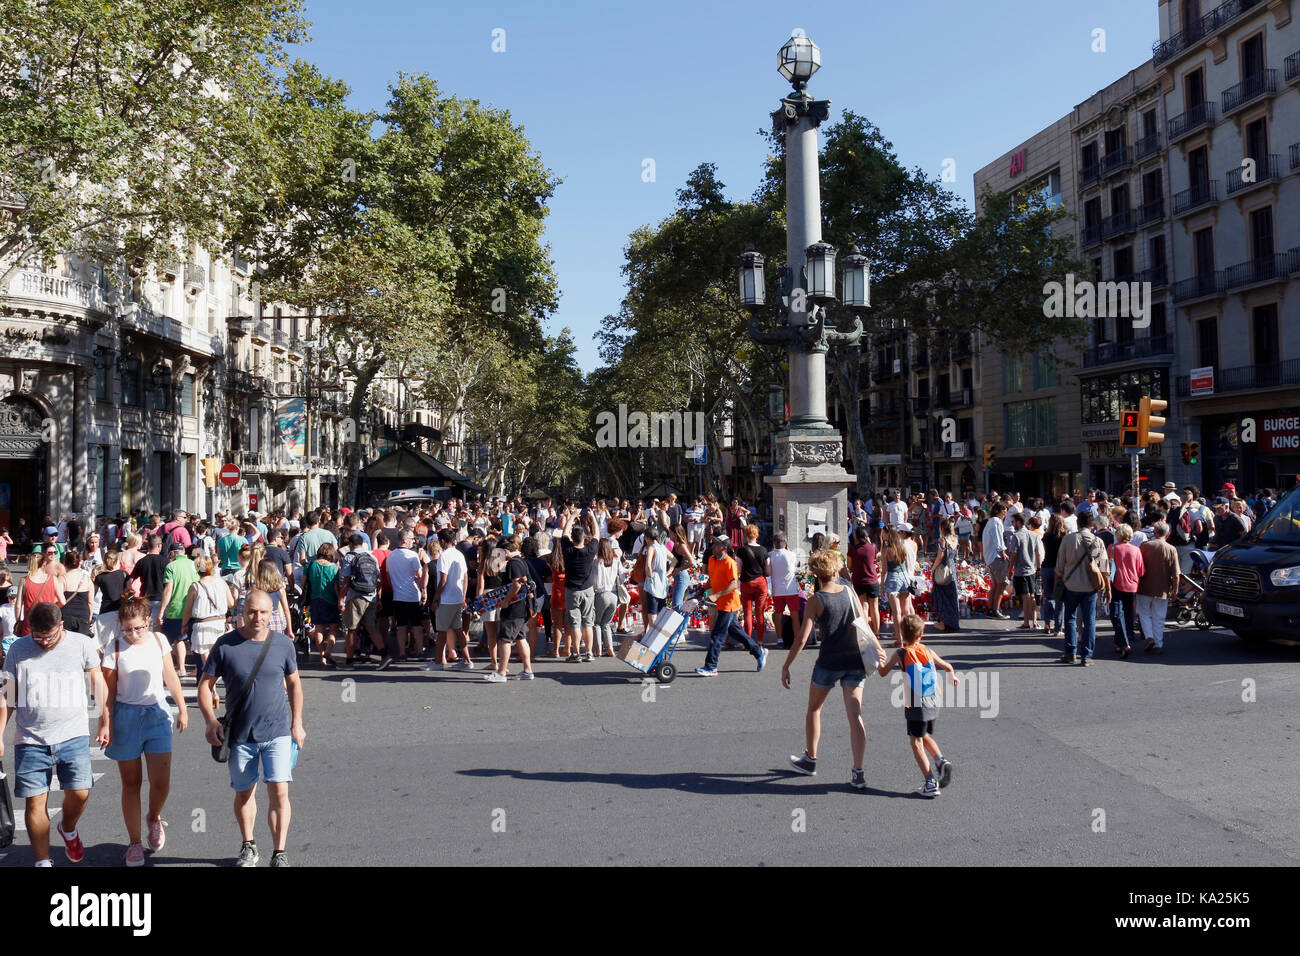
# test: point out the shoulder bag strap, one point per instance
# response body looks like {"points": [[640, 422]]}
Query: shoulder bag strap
{"points": [[232, 706]]}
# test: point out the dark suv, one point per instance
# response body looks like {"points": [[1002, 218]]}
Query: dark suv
{"points": [[1254, 584]]}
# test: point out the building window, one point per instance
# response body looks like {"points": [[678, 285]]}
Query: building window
{"points": [[1013, 374], [1044, 371], [1159, 322], [187, 394], [101, 480], [1102, 399], [130, 378], [103, 359], [1030, 424], [1207, 341], [1268, 349]]}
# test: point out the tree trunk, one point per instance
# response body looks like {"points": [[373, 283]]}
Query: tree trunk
{"points": [[365, 376], [848, 381]]}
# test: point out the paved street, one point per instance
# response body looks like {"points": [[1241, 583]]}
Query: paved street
{"points": [[581, 767]]}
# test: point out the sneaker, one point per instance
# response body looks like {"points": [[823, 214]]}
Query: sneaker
{"points": [[76, 850], [804, 764], [573, 659], [44, 863], [156, 835], [135, 855], [944, 767], [707, 671], [494, 677], [930, 789], [247, 854], [1085, 662], [999, 615], [465, 665], [279, 858], [1065, 659], [762, 660], [386, 663], [431, 666], [858, 780], [525, 675], [586, 657]]}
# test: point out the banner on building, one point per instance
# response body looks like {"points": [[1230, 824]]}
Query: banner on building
{"points": [[1202, 380], [291, 423]]}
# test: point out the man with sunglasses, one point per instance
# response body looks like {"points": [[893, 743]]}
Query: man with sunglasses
{"points": [[44, 681]]}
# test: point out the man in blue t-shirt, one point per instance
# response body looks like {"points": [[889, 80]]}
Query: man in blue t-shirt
{"points": [[267, 727]]}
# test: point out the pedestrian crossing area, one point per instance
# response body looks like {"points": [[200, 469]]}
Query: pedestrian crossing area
{"points": [[100, 764]]}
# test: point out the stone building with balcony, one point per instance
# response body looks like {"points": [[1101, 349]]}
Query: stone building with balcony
{"points": [[1230, 78], [114, 389], [105, 387]]}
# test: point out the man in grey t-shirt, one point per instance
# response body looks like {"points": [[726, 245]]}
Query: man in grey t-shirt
{"points": [[1027, 551], [267, 730], [44, 681]]}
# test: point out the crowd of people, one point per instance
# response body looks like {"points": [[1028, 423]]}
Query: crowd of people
{"points": [[139, 605]]}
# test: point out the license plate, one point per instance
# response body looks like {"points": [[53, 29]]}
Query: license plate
{"points": [[1231, 610]]}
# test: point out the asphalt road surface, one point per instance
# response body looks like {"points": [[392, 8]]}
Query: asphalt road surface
{"points": [[1180, 759]]}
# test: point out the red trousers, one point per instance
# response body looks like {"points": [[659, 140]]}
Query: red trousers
{"points": [[753, 596]]}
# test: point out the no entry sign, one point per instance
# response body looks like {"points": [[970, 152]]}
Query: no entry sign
{"points": [[229, 475]]}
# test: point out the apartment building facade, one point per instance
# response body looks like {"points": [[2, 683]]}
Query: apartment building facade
{"points": [[1125, 236], [1030, 398], [1230, 78]]}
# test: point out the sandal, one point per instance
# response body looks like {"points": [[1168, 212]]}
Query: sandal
{"points": [[328, 663]]}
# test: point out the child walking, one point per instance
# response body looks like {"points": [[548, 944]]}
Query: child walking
{"points": [[918, 663]]}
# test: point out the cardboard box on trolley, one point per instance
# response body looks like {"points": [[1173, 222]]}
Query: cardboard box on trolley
{"points": [[636, 654]]}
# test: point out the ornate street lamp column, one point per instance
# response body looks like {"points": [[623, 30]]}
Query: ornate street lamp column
{"points": [[809, 485]]}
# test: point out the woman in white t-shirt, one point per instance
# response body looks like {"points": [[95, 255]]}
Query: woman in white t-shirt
{"points": [[783, 585], [209, 601], [139, 672]]}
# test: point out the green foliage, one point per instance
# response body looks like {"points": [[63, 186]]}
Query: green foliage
{"points": [[130, 126]]}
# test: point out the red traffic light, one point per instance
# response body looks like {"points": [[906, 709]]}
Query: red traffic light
{"points": [[1130, 420]]}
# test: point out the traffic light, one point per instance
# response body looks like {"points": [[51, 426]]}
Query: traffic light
{"points": [[211, 467], [1187, 452], [1193, 453], [1128, 429], [990, 456], [1147, 421]]}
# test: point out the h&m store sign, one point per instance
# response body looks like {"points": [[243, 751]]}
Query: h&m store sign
{"points": [[1019, 162]]}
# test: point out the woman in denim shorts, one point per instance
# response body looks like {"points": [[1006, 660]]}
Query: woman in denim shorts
{"points": [[139, 671], [834, 608]]}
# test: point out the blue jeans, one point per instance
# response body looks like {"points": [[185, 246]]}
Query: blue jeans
{"points": [[1053, 610], [724, 625], [1086, 602], [681, 581], [1121, 617]]}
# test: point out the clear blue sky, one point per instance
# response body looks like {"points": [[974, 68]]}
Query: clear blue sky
{"points": [[601, 86]]}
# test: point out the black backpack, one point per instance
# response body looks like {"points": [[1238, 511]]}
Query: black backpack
{"points": [[365, 573]]}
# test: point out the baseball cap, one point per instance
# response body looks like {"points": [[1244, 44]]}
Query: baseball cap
{"points": [[50, 529], [176, 548], [1229, 486], [1220, 501], [345, 511], [721, 539], [904, 527]]}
